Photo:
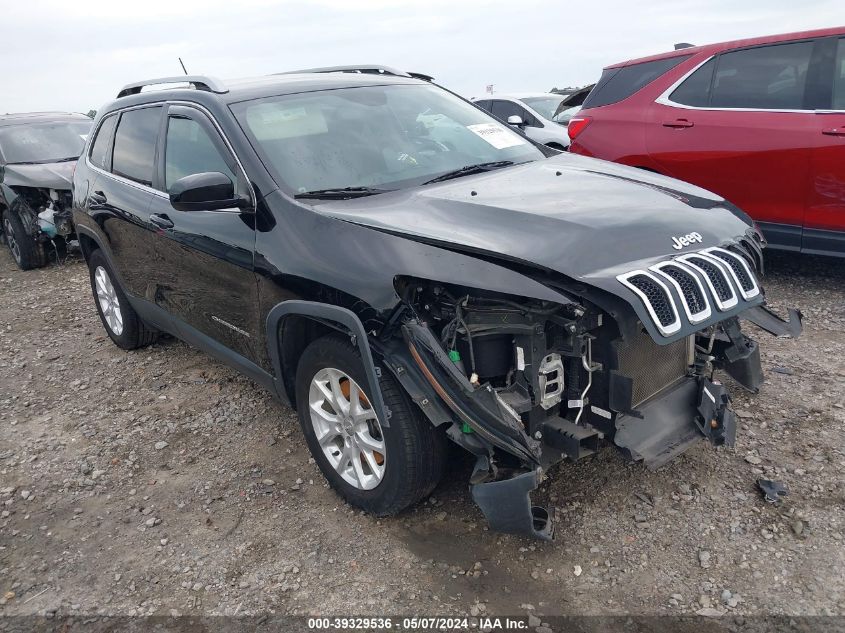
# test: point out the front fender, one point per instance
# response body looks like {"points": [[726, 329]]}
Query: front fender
{"points": [[333, 315]]}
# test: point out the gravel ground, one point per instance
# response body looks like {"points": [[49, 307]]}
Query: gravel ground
{"points": [[161, 482]]}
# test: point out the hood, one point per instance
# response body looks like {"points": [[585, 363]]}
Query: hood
{"points": [[580, 217], [583, 218], [42, 175]]}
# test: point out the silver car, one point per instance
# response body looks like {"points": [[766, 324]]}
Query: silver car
{"points": [[533, 113]]}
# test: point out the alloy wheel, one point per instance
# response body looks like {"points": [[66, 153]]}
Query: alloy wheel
{"points": [[109, 303], [347, 428]]}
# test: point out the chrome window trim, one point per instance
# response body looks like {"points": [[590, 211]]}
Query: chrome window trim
{"points": [[664, 330], [722, 305], [156, 192], [664, 99], [745, 295], [697, 317]]}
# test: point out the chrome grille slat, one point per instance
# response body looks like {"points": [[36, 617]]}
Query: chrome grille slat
{"points": [[689, 287], [656, 297], [738, 269], [716, 278]]}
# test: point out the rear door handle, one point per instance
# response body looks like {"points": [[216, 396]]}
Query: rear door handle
{"points": [[834, 131], [98, 197], [161, 221], [678, 123]]}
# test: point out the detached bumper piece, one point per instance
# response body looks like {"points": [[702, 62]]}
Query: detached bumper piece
{"points": [[663, 428], [716, 420], [767, 320], [507, 506]]}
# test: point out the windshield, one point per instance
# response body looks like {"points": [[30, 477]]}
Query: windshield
{"points": [[545, 106], [43, 142], [375, 137]]}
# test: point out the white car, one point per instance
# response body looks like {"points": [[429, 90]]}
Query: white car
{"points": [[535, 112]]}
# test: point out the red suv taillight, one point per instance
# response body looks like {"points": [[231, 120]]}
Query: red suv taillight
{"points": [[577, 124]]}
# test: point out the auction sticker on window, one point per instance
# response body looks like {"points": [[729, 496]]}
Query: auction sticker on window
{"points": [[498, 136]]}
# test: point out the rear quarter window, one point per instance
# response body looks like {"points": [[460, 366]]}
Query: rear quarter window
{"points": [[695, 90], [100, 155], [617, 84]]}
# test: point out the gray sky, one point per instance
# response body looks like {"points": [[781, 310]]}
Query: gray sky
{"points": [[76, 54]]}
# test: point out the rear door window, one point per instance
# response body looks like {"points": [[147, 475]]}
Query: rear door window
{"points": [[100, 155], [839, 77], [617, 84], [763, 78], [135, 144]]}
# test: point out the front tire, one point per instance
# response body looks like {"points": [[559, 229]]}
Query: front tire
{"points": [[380, 469], [121, 322], [27, 252]]}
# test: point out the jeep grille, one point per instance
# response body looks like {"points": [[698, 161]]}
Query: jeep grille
{"points": [[700, 282]]}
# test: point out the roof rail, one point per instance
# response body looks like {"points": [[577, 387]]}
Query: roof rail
{"points": [[199, 82], [366, 69]]}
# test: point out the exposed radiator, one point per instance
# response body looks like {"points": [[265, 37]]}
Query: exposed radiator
{"points": [[653, 367]]}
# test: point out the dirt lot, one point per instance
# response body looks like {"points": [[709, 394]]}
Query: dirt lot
{"points": [[162, 482]]}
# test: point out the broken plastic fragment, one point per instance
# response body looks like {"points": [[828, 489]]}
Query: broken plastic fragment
{"points": [[773, 491]]}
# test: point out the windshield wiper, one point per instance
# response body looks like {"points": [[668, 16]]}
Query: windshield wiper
{"points": [[341, 193], [470, 169]]}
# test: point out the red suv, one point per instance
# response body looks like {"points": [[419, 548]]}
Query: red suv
{"points": [[760, 122]]}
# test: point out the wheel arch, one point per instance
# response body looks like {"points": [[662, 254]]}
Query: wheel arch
{"points": [[292, 325], [87, 244]]}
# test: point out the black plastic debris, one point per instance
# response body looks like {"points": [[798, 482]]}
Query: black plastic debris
{"points": [[773, 491]]}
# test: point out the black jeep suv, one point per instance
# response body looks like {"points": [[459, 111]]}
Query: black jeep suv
{"points": [[38, 152], [407, 271]]}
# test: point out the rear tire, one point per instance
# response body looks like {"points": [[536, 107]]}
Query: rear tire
{"points": [[27, 252], [121, 322], [413, 452]]}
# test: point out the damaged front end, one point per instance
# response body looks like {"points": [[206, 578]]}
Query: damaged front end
{"points": [[523, 384], [39, 197]]}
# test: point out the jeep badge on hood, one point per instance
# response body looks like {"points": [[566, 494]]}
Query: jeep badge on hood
{"points": [[685, 240]]}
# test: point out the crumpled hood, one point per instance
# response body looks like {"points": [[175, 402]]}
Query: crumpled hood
{"points": [[587, 219], [581, 217], [46, 175]]}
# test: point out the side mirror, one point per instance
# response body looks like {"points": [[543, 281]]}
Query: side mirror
{"points": [[516, 121], [207, 191]]}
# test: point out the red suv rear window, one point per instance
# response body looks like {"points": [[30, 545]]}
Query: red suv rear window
{"points": [[620, 83]]}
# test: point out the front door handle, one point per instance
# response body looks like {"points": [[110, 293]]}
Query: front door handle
{"points": [[834, 131], [97, 198], [161, 221], [678, 123]]}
